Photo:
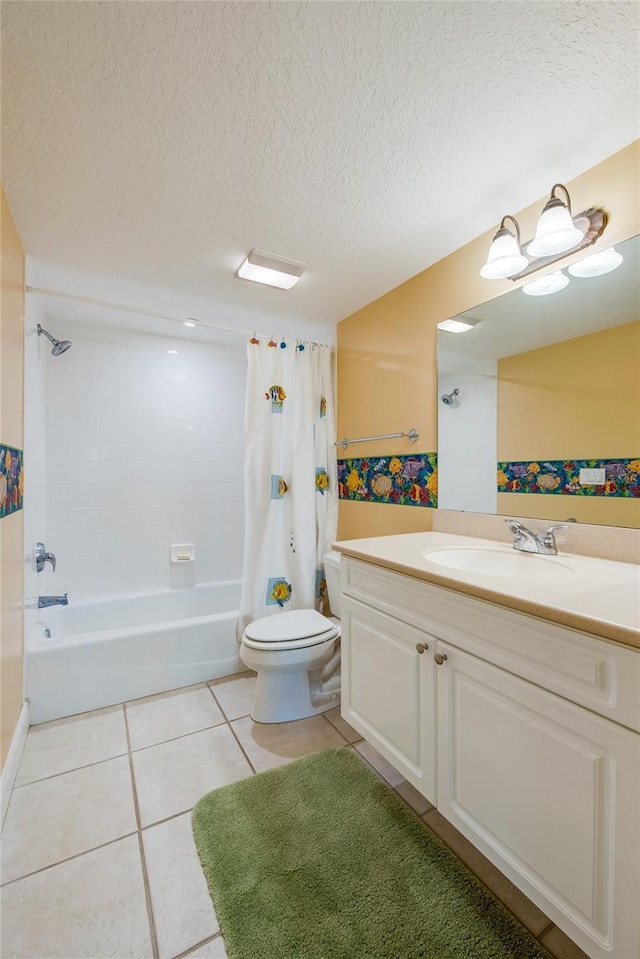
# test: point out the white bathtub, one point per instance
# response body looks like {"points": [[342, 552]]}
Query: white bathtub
{"points": [[106, 651]]}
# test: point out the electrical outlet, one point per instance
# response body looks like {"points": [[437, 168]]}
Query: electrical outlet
{"points": [[594, 477]]}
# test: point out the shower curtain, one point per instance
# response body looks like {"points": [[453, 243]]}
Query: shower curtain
{"points": [[291, 488]]}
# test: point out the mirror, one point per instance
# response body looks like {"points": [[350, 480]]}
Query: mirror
{"points": [[548, 392]]}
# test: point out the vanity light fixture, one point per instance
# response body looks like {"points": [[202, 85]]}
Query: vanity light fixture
{"points": [[459, 324], [597, 264], [557, 235], [271, 270], [544, 285]]}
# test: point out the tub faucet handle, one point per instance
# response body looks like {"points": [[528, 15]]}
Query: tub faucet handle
{"points": [[42, 557]]}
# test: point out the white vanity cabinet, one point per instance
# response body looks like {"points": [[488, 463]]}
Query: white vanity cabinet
{"points": [[538, 750]]}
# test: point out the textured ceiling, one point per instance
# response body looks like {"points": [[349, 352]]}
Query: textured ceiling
{"points": [[158, 142]]}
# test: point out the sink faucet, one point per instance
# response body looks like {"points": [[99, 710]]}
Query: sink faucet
{"points": [[53, 601], [529, 542]]}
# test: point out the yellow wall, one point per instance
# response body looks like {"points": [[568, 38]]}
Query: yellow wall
{"points": [[579, 399], [11, 433], [386, 374]]}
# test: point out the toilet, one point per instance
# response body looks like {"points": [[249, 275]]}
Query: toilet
{"points": [[297, 658]]}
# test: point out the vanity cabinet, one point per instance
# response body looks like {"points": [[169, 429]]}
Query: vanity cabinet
{"points": [[536, 735], [388, 690]]}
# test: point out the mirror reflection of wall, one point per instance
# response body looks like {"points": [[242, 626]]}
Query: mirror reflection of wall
{"points": [[549, 387]]}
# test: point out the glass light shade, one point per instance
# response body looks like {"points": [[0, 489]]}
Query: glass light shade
{"points": [[556, 232], [271, 269], [505, 257], [598, 263], [457, 325], [544, 285]]}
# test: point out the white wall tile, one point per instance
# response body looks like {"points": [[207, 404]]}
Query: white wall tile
{"points": [[144, 449]]}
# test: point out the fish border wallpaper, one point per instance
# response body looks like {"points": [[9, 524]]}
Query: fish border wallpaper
{"points": [[11, 480], [562, 477], [403, 480]]}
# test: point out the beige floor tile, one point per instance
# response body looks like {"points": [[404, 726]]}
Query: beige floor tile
{"points": [[182, 906], [274, 744], [379, 763], [235, 694], [56, 818], [413, 798], [517, 903], [560, 946], [93, 906], [66, 744], [171, 777], [211, 950], [158, 718], [349, 733]]}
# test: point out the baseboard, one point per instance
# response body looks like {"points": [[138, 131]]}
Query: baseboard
{"points": [[10, 768]]}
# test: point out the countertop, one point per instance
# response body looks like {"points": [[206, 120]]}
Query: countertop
{"points": [[597, 596]]}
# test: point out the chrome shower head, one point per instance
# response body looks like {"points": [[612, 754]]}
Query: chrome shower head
{"points": [[59, 346], [449, 398]]}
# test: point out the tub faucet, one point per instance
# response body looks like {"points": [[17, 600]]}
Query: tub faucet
{"points": [[529, 542], [53, 601]]}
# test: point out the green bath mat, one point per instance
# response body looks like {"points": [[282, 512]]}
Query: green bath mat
{"points": [[321, 860]]}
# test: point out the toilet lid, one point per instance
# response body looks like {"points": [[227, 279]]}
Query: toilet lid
{"points": [[283, 627]]}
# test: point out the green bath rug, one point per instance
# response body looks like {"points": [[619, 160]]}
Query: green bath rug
{"points": [[321, 860]]}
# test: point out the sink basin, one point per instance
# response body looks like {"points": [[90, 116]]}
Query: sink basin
{"points": [[497, 562]]}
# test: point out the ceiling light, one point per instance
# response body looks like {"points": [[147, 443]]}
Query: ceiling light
{"points": [[172, 352], [458, 324], [271, 270], [505, 256], [596, 265], [556, 231], [544, 285], [190, 322]]}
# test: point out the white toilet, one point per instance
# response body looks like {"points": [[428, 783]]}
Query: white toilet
{"points": [[297, 658]]}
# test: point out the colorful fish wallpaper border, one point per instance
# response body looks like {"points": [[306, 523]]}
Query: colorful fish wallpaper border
{"points": [[410, 480], [562, 477], [11, 480]]}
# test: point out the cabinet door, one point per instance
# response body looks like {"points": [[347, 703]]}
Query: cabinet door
{"points": [[388, 690], [548, 791]]}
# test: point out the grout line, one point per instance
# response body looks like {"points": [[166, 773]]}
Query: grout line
{"points": [[74, 769], [145, 877], [172, 739], [60, 862], [198, 945], [233, 733]]}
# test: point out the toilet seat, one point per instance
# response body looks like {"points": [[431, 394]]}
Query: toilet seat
{"points": [[297, 629]]}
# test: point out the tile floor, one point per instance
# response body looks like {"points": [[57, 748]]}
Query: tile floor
{"points": [[98, 860]]}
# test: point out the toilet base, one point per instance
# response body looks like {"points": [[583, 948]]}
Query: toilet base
{"points": [[284, 697]]}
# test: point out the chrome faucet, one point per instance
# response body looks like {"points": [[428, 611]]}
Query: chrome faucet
{"points": [[529, 542], [42, 557], [44, 601]]}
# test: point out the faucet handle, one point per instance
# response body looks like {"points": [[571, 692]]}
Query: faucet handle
{"points": [[550, 534]]}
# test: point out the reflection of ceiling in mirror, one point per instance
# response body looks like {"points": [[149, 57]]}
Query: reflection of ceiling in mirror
{"points": [[515, 322]]}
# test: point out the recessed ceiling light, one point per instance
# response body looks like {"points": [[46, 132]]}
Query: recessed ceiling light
{"points": [[271, 270], [544, 285], [458, 324]]}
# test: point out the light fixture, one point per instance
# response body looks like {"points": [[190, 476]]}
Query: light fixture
{"points": [[556, 231], [271, 270], [190, 322], [544, 285], [459, 324], [505, 256], [172, 352], [597, 264]]}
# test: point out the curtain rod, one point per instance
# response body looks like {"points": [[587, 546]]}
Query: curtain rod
{"points": [[159, 316]]}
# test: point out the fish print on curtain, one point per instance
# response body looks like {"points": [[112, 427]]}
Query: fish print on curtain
{"points": [[290, 477]]}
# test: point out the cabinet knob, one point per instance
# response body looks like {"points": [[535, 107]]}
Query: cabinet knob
{"points": [[421, 647], [440, 658]]}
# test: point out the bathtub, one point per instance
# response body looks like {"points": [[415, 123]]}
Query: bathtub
{"points": [[103, 652]]}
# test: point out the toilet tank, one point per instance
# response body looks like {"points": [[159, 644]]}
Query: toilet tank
{"points": [[332, 575]]}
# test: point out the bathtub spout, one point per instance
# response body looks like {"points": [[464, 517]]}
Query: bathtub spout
{"points": [[44, 601]]}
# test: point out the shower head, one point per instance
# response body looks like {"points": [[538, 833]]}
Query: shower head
{"points": [[59, 346], [449, 398]]}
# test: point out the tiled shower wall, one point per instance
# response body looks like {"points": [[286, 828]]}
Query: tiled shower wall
{"points": [[144, 450]]}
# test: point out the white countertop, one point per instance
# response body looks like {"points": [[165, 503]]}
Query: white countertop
{"points": [[595, 595]]}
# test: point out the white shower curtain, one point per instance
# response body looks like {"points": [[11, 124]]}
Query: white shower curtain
{"points": [[291, 488]]}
